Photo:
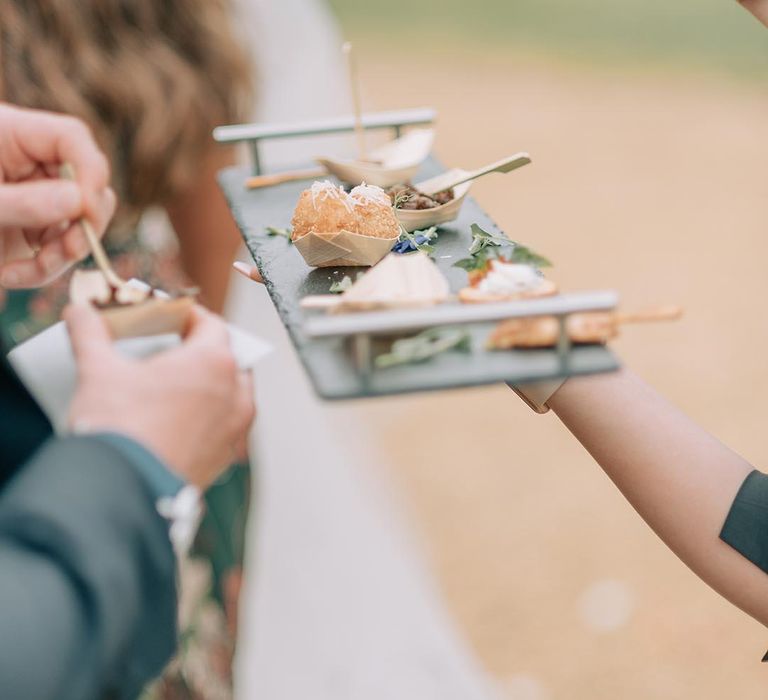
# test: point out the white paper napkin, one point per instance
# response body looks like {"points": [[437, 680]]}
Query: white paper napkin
{"points": [[46, 365]]}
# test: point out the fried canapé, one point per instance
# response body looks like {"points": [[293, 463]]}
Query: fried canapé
{"points": [[324, 208], [327, 208]]}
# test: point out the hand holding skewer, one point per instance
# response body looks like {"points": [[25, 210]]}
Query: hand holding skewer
{"points": [[40, 233]]}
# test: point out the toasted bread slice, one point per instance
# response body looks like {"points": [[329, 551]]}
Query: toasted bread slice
{"points": [[544, 332]]}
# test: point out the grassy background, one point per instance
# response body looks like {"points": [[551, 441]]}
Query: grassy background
{"points": [[707, 34]]}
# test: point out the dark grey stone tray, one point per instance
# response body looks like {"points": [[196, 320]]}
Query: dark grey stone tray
{"points": [[329, 362]]}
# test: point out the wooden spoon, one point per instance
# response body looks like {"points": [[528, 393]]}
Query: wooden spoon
{"points": [[456, 178]]}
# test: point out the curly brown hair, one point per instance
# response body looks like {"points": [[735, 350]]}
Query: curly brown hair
{"points": [[151, 77]]}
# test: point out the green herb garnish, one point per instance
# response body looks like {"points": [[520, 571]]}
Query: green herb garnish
{"points": [[401, 198], [425, 346], [477, 262], [341, 286], [286, 233], [483, 239], [525, 256]]}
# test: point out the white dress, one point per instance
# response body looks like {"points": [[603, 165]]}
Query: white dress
{"points": [[338, 604]]}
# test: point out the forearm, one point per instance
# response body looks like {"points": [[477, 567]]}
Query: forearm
{"points": [[207, 234], [680, 479]]}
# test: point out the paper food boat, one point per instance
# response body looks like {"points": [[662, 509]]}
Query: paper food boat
{"points": [[398, 281], [342, 248], [420, 219], [158, 315], [400, 160]]}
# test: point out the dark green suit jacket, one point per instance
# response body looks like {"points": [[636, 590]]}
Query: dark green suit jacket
{"points": [[87, 571]]}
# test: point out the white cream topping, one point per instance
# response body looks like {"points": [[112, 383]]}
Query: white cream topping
{"points": [[510, 278]]}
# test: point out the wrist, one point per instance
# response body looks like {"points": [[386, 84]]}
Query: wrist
{"points": [[176, 501], [589, 390], [138, 433], [561, 391], [162, 481]]}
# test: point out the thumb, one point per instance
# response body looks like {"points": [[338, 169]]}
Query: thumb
{"points": [[39, 204], [88, 334], [206, 328]]}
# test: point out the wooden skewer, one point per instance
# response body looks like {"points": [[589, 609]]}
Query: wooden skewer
{"points": [[596, 327], [259, 181], [659, 313], [354, 84], [127, 293], [67, 172]]}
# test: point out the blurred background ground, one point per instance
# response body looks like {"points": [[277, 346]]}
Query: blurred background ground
{"points": [[648, 124]]}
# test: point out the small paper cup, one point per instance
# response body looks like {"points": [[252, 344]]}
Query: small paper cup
{"points": [[355, 172], [420, 219], [153, 317], [400, 161], [157, 315]]}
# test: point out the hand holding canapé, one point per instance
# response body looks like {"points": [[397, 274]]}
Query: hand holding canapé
{"points": [[191, 406]]}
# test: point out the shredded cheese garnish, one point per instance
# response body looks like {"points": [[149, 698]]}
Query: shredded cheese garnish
{"points": [[327, 190], [370, 194]]}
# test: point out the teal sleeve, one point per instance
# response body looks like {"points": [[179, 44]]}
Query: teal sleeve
{"points": [[87, 577], [746, 527], [161, 481]]}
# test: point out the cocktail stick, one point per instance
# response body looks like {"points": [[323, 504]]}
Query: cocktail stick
{"points": [[354, 84], [67, 172]]}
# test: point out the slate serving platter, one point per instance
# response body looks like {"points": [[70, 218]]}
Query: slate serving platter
{"points": [[328, 361]]}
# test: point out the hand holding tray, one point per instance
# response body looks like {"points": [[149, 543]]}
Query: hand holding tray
{"points": [[339, 351]]}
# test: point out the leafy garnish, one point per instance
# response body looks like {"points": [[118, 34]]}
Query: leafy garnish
{"points": [[286, 233], [425, 346], [418, 240], [496, 246], [471, 264], [401, 198], [483, 239], [525, 256], [341, 286]]}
